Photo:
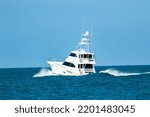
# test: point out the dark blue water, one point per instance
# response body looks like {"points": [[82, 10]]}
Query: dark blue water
{"points": [[112, 83]]}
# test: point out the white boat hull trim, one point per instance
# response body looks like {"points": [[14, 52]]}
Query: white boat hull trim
{"points": [[79, 62]]}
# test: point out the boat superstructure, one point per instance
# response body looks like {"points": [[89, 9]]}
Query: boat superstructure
{"points": [[79, 62]]}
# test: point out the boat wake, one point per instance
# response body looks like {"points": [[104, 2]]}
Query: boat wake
{"points": [[44, 72], [115, 72]]}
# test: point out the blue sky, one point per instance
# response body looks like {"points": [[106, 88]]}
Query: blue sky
{"points": [[32, 31]]}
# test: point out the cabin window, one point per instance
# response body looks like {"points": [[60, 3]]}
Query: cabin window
{"points": [[81, 66], [86, 56], [69, 64], [90, 56], [82, 56], [89, 66], [73, 55]]}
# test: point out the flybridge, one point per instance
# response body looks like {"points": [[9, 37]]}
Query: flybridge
{"points": [[79, 62]]}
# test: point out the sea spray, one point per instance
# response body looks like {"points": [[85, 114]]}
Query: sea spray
{"points": [[115, 72], [44, 72]]}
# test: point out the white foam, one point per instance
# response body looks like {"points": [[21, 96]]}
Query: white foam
{"points": [[44, 72], [114, 72]]}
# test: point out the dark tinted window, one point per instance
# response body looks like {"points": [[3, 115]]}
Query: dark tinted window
{"points": [[90, 56], [73, 55], [69, 64], [88, 66], [86, 56]]}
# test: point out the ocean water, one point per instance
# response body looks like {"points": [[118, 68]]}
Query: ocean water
{"points": [[108, 83]]}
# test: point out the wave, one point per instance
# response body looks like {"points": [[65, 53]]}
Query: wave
{"points": [[44, 72], [115, 72]]}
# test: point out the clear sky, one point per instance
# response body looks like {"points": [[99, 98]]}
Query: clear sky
{"points": [[32, 31]]}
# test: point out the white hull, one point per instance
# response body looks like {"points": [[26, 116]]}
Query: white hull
{"points": [[58, 69]]}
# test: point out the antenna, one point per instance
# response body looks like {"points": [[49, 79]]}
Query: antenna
{"points": [[82, 28], [86, 38], [92, 28]]}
